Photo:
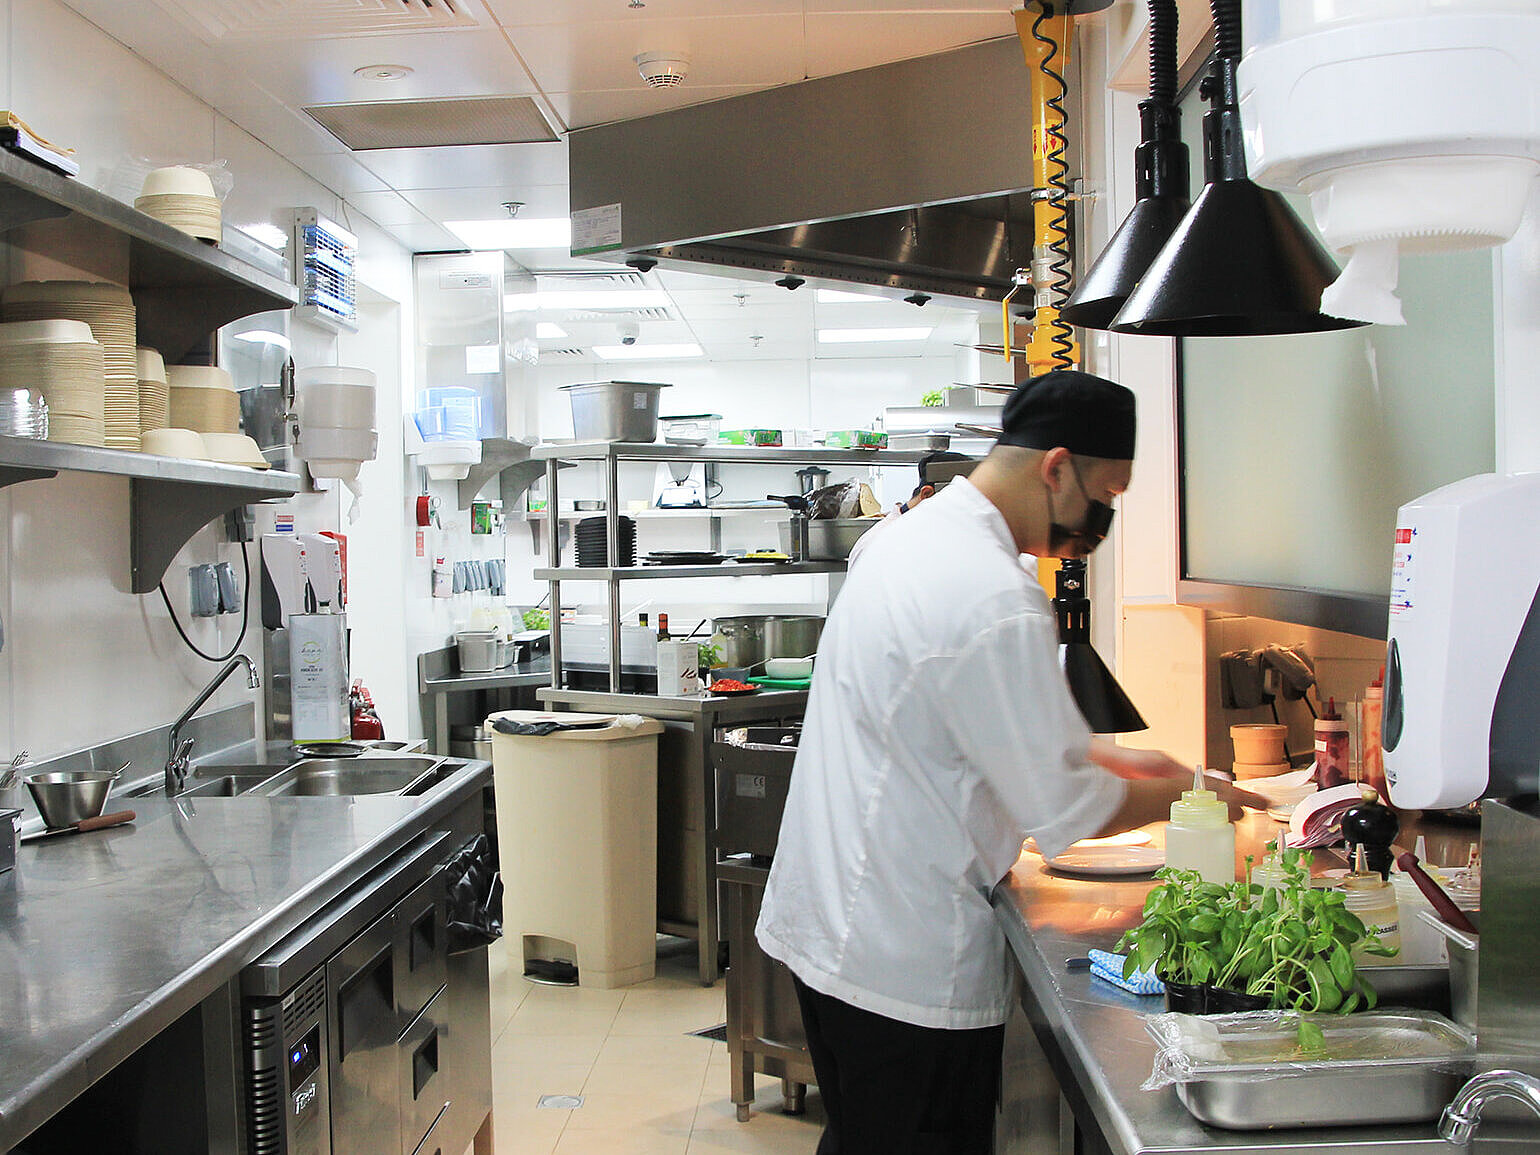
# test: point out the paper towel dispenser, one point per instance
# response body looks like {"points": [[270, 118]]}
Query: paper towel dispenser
{"points": [[1462, 669]]}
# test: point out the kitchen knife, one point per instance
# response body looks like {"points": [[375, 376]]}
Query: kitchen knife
{"points": [[84, 826]]}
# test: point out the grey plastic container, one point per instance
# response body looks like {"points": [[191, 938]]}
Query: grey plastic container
{"points": [[615, 410]]}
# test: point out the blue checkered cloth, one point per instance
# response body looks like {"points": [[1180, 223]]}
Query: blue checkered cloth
{"points": [[1108, 966]]}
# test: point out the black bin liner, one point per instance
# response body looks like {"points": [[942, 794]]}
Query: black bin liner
{"points": [[475, 889]]}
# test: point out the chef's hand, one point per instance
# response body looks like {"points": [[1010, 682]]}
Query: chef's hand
{"points": [[1128, 762]]}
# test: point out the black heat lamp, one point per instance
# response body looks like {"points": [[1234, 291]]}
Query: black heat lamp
{"points": [[1161, 179], [1241, 263], [1102, 701]]}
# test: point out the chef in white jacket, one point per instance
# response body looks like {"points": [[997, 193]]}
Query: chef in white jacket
{"points": [[940, 733], [928, 487]]}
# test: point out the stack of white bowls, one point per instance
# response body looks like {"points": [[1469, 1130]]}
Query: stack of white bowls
{"points": [[336, 420], [154, 392], [109, 311], [183, 198], [61, 363], [184, 443], [203, 398]]}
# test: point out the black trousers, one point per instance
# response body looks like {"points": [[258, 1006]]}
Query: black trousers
{"points": [[892, 1088]]}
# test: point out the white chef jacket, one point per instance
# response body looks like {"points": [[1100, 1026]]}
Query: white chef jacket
{"points": [[940, 733], [866, 538]]}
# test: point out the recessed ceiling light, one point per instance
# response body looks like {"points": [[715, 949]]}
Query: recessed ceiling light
{"points": [[383, 72], [832, 296], [853, 336], [550, 331], [596, 299], [523, 233], [648, 352]]}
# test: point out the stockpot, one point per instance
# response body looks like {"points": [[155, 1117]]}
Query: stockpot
{"points": [[751, 638]]}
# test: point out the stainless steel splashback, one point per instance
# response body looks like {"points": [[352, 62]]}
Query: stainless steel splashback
{"points": [[1507, 998], [909, 175]]}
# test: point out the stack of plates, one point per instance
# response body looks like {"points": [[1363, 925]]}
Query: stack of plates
{"points": [[184, 199], [154, 393], [203, 397], [685, 557], [58, 361], [109, 311], [592, 545]]}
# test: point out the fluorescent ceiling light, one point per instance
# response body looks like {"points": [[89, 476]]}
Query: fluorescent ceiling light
{"points": [[262, 337], [854, 336], [550, 331], [648, 352], [596, 299], [834, 296], [534, 233]]}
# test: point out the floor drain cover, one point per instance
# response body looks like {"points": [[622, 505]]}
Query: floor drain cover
{"points": [[562, 1102], [718, 1032]]}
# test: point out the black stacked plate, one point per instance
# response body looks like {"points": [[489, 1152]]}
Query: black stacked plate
{"points": [[591, 542]]}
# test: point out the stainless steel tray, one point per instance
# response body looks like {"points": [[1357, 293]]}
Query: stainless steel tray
{"points": [[1397, 1068]]}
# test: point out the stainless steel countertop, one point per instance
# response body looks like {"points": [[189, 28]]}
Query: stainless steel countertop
{"points": [[107, 938], [438, 673], [1094, 1034]]}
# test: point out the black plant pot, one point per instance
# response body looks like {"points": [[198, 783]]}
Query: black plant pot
{"points": [[1187, 998], [1223, 1001]]}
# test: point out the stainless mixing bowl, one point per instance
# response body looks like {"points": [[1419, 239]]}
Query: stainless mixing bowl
{"points": [[66, 797]]}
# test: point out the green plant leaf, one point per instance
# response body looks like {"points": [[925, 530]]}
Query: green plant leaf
{"points": [[1342, 968], [1312, 1040]]}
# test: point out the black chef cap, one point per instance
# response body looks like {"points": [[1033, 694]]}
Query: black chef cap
{"points": [[938, 457], [1086, 414]]}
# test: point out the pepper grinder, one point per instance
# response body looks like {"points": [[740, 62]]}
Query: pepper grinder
{"points": [[1372, 826]]}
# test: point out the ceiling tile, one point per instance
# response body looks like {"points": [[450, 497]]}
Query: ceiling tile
{"points": [[340, 173], [586, 109], [481, 165], [846, 42], [522, 13], [486, 203], [387, 208]]}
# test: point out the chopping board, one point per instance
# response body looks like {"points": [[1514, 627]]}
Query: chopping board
{"points": [[782, 683]]}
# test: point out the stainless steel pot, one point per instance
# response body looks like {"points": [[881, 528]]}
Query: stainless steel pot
{"points": [[832, 539], [751, 638]]}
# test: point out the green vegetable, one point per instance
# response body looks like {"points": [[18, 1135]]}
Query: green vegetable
{"points": [[1292, 944], [537, 619], [710, 656], [932, 399]]}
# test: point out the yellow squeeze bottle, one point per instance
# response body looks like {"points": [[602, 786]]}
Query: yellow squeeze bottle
{"points": [[1200, 836]]}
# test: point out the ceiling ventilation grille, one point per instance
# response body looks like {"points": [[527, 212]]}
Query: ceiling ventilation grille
{"points": [[579, 316], [316, 19], [588, 282], [434, 123], [546, 353]]}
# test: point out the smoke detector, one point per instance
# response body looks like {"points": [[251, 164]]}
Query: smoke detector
{"points": [[663, 69]]}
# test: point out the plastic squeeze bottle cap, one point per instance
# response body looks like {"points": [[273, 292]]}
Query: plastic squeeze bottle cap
{"points": [[1199, 806]]}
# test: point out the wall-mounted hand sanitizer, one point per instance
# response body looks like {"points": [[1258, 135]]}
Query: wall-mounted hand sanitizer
{"points": [[1462, 668]]}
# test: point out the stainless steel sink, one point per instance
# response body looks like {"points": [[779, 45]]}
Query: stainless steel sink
{"points": [[333, 776], [225, 786]]}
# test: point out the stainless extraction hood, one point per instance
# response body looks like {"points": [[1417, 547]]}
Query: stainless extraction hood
{"points": [[915, 175]]}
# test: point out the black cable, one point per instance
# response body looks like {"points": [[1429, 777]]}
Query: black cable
{"points": [[245, 614], [1063, 339]]}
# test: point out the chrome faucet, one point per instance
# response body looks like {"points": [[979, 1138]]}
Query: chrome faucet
{"points": [[178, 748], [1463, 1114]]}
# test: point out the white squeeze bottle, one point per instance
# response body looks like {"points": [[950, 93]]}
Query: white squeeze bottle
{"points": [[1200, 836]]}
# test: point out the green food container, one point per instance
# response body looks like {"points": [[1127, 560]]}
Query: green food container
{"points": [[855, 439], [762, 437]]}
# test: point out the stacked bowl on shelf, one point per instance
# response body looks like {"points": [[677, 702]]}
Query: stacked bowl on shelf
{"points": [[203, 398], [154, 391], [109, 312], [336, 420], [183, 198], [58, 366]]}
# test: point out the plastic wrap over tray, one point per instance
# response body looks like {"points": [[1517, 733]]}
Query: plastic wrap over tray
{"points": [[1247, 1071]]}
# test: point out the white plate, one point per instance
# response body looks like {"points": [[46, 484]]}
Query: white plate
{"points": [[1109, 860]]}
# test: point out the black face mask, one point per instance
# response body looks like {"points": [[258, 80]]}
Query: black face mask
{"points": [[1093, 526]]}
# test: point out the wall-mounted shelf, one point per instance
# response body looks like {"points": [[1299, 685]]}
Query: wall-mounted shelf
{"points": [[655, 572], [183, 288], [169, 499], [724, 454]]}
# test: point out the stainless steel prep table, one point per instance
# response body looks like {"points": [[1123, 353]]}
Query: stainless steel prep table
{"points": [[1093, 1036], [107, 938], [438, 676], [687, 850]]}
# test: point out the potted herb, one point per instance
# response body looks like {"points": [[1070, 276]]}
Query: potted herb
{"points": [[1181, 937]]}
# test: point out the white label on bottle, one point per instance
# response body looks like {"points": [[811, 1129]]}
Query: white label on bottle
{"points": [[1402, 571]]}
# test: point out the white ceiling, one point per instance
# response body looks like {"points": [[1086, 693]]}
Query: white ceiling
{"points": [[260, 62]]}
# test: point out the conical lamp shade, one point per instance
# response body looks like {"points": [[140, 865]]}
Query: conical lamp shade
{"points": [[1241, 264], [1102, 701], [1136, 244]]}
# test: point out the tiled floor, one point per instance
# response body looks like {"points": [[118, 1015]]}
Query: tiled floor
{"points": [[648, 1086]]}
